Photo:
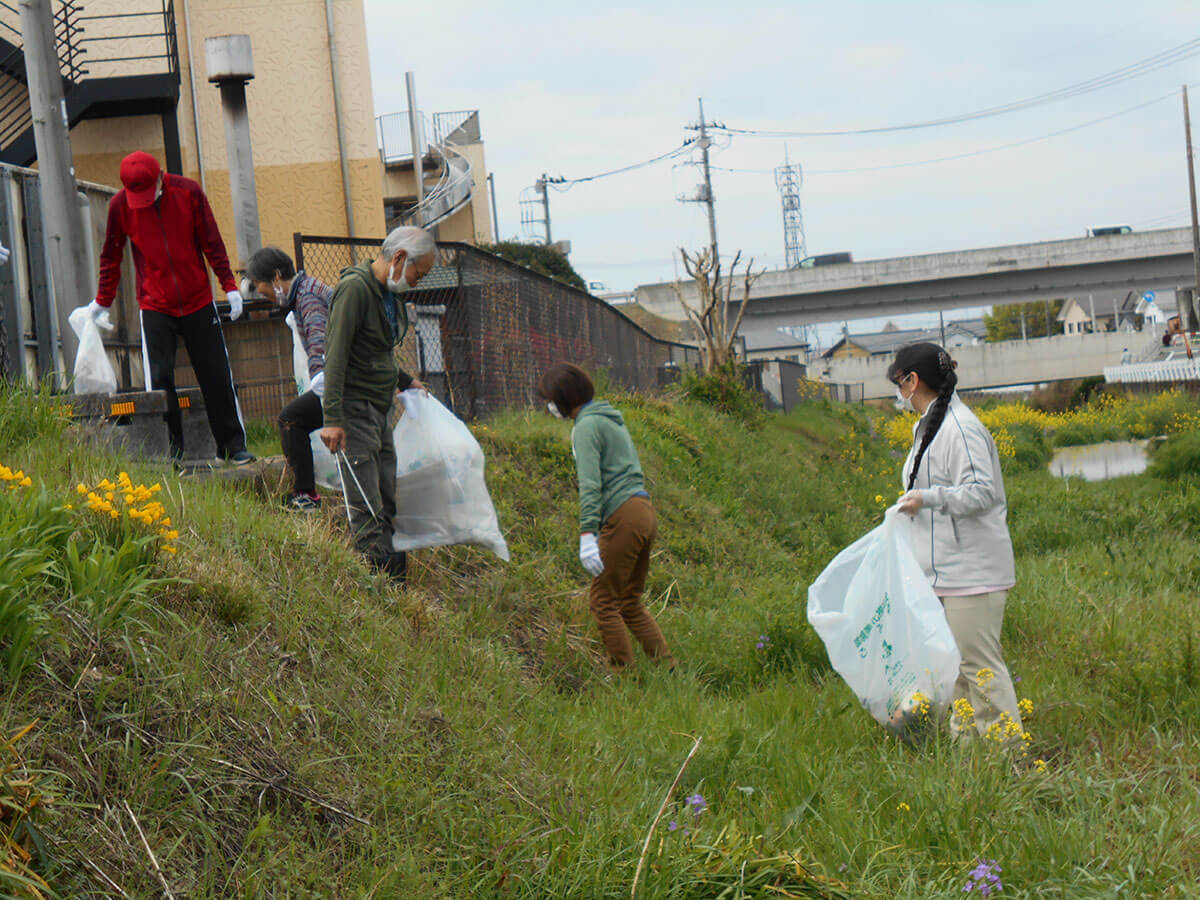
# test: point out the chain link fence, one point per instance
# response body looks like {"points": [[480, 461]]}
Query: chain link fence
{"points": [[483, 329]]}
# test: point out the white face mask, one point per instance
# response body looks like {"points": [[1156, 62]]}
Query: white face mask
{"points": [[398, 285], [904, 404], [158, 189], [554, 410], [280, 295]]}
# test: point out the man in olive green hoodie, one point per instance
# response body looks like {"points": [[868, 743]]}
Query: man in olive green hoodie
{"points": [[367, 321]]}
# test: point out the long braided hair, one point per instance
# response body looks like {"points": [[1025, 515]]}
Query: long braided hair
{"points": [[936, 369]]}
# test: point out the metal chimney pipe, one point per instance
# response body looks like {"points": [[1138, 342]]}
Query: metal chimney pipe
{"points": [[230, 66]]}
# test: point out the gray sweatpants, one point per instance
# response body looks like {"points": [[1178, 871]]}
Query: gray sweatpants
{"points": [[372, 458], [975, 621]]}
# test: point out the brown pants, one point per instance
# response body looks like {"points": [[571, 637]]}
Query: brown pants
{"points": [[616, 595]]}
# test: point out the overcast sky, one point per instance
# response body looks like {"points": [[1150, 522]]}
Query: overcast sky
{"points": [[574, 90]]}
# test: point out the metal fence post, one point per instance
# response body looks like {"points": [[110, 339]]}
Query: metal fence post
{"points": [[12, 360]]}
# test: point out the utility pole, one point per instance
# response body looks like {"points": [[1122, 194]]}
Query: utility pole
{"points": [[544, 189], [491, 180], [64, 227], [705, 193], [1190, 322]]}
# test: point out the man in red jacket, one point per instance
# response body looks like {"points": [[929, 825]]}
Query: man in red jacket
{"points": [[171, 226]]}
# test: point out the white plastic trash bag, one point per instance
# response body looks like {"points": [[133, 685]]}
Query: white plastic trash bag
{"points": [[325, 467], [441, 495], [884, 628], [93, 372]]}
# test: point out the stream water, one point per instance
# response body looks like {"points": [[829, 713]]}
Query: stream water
{"points": [[1095, 462]]}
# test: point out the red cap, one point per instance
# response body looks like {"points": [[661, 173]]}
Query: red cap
{"points": [[139, 174]]}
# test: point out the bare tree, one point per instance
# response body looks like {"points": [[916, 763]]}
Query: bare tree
{"points": [[711, 316]]}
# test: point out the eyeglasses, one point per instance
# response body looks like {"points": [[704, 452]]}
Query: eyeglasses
{"points": [[903, 378]]}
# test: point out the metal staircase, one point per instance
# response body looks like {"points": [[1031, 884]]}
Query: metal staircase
{"points": [[455, 184], [114, 64]]}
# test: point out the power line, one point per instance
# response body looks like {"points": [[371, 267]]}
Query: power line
{"points": [[565, 184], [956, 156], [1133, 70]]}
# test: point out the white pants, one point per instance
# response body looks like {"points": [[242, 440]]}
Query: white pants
{"points": [[975, 622]]}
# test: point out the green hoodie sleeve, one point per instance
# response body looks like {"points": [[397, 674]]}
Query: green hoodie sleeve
{"points": [[587, 443], [346, 310]]}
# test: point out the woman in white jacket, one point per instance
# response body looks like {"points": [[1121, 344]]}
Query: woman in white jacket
{"points": [[955, 494]]}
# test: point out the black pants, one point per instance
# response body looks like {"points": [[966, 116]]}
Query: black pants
{"points": [[201, 333], [299, 419]]}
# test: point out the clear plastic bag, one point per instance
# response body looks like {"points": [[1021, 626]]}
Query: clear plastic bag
{"points": [[93, 372], [885, 629], [325, 469], [441, 495]]}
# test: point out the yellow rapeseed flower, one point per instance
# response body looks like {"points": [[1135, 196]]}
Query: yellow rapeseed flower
{"points": [[1039, 765], [81, 489], [1025, 705], [903, 807], [26, 481], [984, 677]]}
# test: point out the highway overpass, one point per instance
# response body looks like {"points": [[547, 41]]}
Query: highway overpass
{"points": [[1105, 267]]}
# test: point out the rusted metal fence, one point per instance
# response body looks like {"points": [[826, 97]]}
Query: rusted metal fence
{"points": [[483, 329]]}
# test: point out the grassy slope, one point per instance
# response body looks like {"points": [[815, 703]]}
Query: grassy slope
{"points": [[470, 720]]}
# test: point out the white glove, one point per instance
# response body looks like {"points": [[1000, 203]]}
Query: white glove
{"points": [[3, 254], [589, 554], [99, 315], [235, 304], [317, 385]]}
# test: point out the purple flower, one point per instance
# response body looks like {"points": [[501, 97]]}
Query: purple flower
{"points": [[697, 803], [763, 642], [1016, 679], [985, 877], [672, 825]]}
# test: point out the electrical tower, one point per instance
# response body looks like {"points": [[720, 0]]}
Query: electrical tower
{"points": [[788, 179]]}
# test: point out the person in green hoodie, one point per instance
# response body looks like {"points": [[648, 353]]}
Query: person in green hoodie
{"points": [[617, 524], [367, 320]]}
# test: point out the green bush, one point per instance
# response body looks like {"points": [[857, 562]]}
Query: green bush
{"points": [[724, 390], [1177, 456]]}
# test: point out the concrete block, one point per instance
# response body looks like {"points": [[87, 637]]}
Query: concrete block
{"points": [[135, 422]]}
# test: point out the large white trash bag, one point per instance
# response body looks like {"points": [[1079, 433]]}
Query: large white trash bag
{"points": [[441, 495], [325, 467], [884, 628], [93, 372]]}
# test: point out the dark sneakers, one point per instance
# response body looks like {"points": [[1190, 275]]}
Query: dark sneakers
{"points": [[236, 458], [304, 501], [394, 566]]}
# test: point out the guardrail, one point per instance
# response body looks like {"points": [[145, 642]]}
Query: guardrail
{"points": [[1166, 372]]}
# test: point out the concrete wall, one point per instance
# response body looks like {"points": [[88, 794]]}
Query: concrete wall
{"points": [[292, 123], [1004, 363]]}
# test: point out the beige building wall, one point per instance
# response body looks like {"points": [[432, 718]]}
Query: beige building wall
{"points": [[293, 127]]}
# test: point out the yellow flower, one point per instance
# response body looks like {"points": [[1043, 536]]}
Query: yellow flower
{"points": [[964, 712], [81, 489], [984, 677], [1025, 706], [26, 481], [170, 549], [903, 807], [114, 513], [879, 498], [1039, 765], [68, 506]]}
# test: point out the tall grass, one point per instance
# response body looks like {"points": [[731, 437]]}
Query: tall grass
{"points": [[281, 722]]}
